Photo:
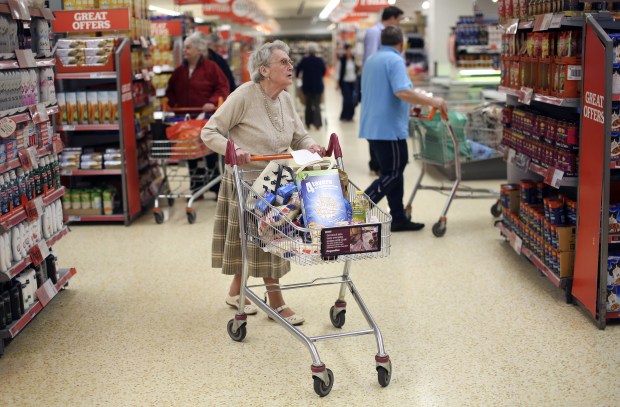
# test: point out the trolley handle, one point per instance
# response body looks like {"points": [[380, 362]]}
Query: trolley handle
{"points": [[430, 115], [167, 108], [231, 155]]}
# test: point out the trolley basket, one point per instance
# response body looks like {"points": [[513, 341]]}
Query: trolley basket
{"points": [[307, 247]]}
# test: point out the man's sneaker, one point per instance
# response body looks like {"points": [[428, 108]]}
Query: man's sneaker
{"points": [[406, 226]]}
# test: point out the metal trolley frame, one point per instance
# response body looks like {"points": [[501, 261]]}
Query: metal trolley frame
{"points": [[456, 190], [280, 241], [170, 154]]}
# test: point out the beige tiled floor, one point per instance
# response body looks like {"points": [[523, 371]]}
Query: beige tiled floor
{"points": [[465, 321]]}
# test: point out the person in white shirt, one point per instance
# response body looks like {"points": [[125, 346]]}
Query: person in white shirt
{"points": [[348, 72]]}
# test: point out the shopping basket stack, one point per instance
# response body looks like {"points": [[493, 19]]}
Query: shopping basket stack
{"points": [[284, 237]]}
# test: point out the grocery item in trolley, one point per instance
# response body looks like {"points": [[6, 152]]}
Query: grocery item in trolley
{"points": [[322, 200], [187, 134]]}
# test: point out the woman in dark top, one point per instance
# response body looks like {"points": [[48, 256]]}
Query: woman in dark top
{"points": [[198, 82], [312, 69], [347, 81]]}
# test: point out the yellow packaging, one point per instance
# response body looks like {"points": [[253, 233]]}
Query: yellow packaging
{"points": [[62, 107], [102, 107], [70, 5], [71, 99], [113, 103], [81, 107], [91, 107]]}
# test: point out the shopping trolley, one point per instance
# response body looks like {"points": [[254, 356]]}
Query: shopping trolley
{"points": [[307, 247], [443, 148], [171, 154]]}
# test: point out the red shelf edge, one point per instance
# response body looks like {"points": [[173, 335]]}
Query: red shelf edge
{"points": [[19, 214], [73, 173], [613, 315], [25, 319], [88, 127], [11, 165], [94, 218], [535, 260]]}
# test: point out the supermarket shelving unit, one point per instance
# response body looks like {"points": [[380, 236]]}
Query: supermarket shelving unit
{"points": [[597, 180], [122, 79], [40, 256]]}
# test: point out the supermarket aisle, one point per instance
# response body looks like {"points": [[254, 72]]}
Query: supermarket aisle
{"points": [[465, 321]]}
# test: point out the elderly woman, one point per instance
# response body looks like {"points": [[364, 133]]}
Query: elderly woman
{"points": [[312, 69], [197, 82], [260, 119]]}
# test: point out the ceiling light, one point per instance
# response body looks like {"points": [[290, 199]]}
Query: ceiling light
{"points": [[329, 7], [392, 2], [426, 5], [494, 1], [164, 11]]}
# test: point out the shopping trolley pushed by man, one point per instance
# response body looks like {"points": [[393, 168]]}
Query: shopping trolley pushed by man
{"points": [[305, 246], [182, 143], [445, 144]]}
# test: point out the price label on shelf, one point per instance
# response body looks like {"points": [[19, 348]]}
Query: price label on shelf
{"points": [[38, 113], [556, 21], [525, 95], [67, 173], [34, 209], [25, 58], [511, 156], [543, 22], [19, 10], [157, 69], [25, 160], [57, 146], [7, 127], [574, 73], [46, 292], [36, 254], [516, 243], [67, 127], [512, 26], [554, 177]]}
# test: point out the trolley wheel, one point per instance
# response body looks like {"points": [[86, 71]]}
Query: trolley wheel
{"points": [[321, 388], [340, 318], [191, 217], [439, 229], [383, 376], [159, 217], [236, 336], [496, 210], [171, 202]]}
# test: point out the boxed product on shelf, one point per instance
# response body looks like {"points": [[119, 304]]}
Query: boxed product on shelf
{"points": [[614, 218], [613, 298], [613, 270]]}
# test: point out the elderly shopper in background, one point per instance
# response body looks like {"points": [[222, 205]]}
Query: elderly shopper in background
{"points": [[312, 68], [197, 82], [215, 43], [261, 120]]}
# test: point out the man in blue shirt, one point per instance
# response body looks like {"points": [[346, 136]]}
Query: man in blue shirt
{"points": [[388, 93], [372, 42]]}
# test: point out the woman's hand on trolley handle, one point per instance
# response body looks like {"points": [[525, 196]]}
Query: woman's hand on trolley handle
{"points": [[316, 148], [243, 157], [208, 107]]}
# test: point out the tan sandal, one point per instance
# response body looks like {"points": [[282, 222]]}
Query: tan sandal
{"points": [[233, 301], [294, 319]]}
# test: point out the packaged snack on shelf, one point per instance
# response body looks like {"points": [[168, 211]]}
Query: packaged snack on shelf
{"points": [[613, 298], [113, 103], [614, 218], [103, 109], [613, 270], [91, 106], [71, 115], [81, 107]]}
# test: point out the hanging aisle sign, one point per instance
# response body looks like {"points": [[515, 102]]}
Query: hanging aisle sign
{"points": [[91, 20], [221, 8], [370, 6], [172, 28]]}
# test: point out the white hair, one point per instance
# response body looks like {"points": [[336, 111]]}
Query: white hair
{"points": [[262, 57], [199, 41], [312, 48]]}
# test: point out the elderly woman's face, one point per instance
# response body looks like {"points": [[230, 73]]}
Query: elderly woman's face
{"points": [[280, 68], [190, 52]]}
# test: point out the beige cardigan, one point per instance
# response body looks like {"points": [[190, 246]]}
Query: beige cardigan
{"points": [[244, 118]]}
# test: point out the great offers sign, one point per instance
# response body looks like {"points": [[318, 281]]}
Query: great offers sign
{"points": [[91, 20]]}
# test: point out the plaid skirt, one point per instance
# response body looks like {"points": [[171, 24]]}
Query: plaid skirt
{"points": [[226, 246]]}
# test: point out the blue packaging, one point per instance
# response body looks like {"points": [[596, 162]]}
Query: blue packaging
{"points": [[613, 270], [261, 206], [284, 193], [349, 209], [322, 202]]}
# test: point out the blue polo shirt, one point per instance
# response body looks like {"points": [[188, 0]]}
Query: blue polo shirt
{"points": [[384, 116]]}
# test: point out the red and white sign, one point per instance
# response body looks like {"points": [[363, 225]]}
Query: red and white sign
{"points": [[370, 6], [91, 20], [172, 28], [221, 8]]}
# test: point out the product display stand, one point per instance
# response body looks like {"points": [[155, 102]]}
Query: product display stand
{"points": [[596, 188], [118, 73], [31, 212]]}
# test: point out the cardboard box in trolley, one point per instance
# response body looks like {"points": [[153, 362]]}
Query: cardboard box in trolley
{"points": [[321, 196]]}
